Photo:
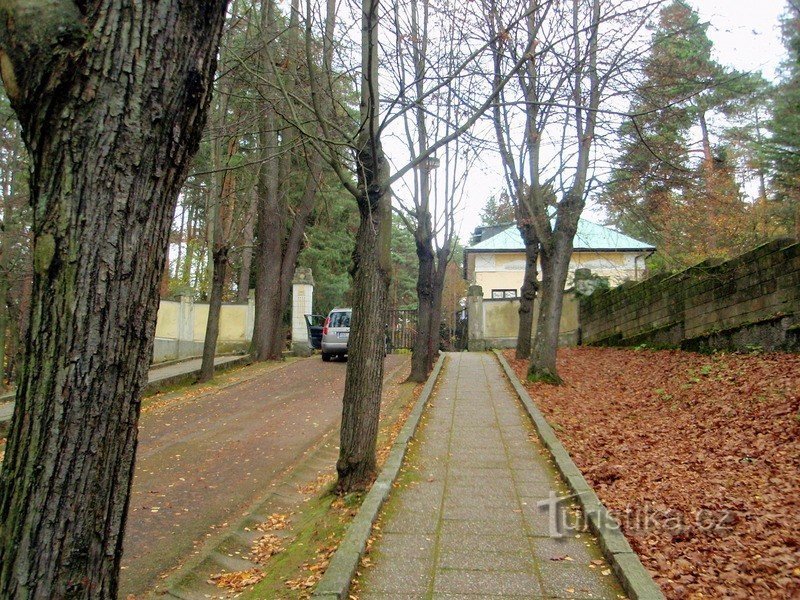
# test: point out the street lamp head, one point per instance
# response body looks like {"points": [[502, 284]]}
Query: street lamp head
{"points": [[430, 163]]}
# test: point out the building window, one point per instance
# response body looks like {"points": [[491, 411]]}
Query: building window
{"points": [[504, 294]]}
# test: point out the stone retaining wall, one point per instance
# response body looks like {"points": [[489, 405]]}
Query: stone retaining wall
{"points": [[750, 301]]}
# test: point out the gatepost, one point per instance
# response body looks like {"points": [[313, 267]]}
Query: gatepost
{"points": [[302, 305], [475, 341], [185, 342]]}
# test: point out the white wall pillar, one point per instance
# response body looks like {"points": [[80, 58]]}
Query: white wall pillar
{"points": [[185, 327], [475, 339], [250, 319], [302, 305]]}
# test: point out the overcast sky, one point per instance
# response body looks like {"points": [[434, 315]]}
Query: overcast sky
{"points": [[746, 37]]}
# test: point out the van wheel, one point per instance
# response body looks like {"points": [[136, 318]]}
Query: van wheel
{"points": [[326, 357]]}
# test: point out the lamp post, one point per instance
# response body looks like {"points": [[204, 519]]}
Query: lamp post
{"points": [[429, 164], [425, 167]]}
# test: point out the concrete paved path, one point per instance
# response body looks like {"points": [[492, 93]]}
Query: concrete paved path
{"points": [[155, 375], [463, 522]]}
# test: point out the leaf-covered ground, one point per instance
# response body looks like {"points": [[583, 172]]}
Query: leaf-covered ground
{"points": [[697, 455]]}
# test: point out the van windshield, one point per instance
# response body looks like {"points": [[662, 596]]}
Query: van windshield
{"points": [[340, 319]]}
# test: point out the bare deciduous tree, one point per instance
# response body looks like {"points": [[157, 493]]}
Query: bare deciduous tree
{"points": [[546, 126], [428, 211]]}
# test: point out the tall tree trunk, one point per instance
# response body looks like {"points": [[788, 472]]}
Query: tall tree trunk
{"points": [[530, 286], [372, 268], [425, 301], [556, 242], [555, 260], [270, 224], [364, 378], [423, 235], [223, 218], [214, 311], [222, 215], [268, 321], [112, 101], [293, 243], [275, 267], [243, 288]]}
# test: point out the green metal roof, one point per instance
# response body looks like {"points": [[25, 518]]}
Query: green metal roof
{"points": [[590, 236]]}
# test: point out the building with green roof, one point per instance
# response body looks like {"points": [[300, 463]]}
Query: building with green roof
{"points": [[496, 258]]}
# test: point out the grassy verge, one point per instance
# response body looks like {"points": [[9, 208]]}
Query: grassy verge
{"points": [[316, 532]]}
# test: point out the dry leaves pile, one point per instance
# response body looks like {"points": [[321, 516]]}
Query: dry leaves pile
{"points": [[238, 581], [324, 479], [697, 455], [275, 522], [313, 571], [264, 548]]}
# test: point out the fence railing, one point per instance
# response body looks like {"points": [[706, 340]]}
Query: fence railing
{"points": [[402, 328]]}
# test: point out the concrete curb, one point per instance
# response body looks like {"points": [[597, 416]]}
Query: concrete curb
{"points": [[635, 579], [335, 583], [152, 387]]}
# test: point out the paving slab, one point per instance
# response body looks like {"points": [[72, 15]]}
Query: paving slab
{"points": [[465, 521]]}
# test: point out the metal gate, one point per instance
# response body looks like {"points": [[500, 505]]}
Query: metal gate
{"points": [[402, 329], [462, 329]]}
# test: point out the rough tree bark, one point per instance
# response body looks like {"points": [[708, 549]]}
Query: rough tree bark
{"points": [[422, 351], [427, 327], [530, 283], [523, 179], [372, 268], [269, 219], [555, 254], [112, 98], [364, 378], [243, 288]]}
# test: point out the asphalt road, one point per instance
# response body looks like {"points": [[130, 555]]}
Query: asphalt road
{"points": [[203, 459]]}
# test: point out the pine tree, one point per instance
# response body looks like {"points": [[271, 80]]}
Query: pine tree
{"points": [[498, 210], [783, 149], [682, 196]]}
